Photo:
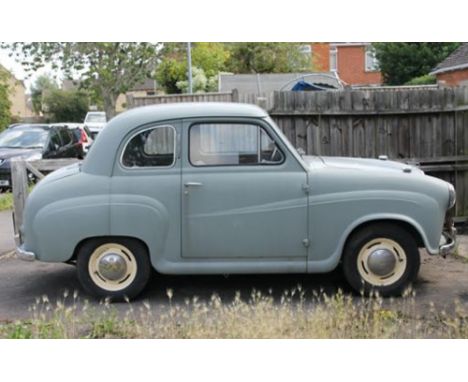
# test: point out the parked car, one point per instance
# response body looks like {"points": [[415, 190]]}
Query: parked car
{"points": [[81, 132], [218, 189], [95, 122], [34, 142]]}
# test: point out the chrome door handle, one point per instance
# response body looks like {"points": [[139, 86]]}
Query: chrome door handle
{"points": [[193, 184]]}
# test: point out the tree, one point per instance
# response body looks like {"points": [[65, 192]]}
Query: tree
{"points": [[66, 106], [43, 84], [199, 82], [5, 103], [169, 72], [208, 58], [400, 62], [105, 69], [267, 57]]}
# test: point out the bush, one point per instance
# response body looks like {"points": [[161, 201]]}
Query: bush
{"points": [[423, 80], [66, 106]]}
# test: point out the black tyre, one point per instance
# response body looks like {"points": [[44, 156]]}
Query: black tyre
{"points": [[381, 258], [114, 268]]}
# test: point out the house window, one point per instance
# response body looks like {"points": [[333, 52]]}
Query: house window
{"points": [[333, 59], [306, 50], [372, 64]]}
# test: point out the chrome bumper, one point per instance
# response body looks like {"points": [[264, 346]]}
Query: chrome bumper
{"points": [[448, 242], [21, 253]]}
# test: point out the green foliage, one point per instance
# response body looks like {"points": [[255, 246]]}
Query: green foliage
{"points": [[66, 106], [402, 61], [267, 57], [5, 103], [169, 72], [211, 57], [39, 90], [106, 69], [208, 59], [6, 201], [423, 80]]}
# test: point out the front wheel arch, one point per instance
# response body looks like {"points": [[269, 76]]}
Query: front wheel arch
{"points": [[417, 236]]}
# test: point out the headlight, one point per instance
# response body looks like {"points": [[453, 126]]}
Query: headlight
{"points": [[452, 196]]}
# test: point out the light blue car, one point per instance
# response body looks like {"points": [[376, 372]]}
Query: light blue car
{"points": [[217, 189]]}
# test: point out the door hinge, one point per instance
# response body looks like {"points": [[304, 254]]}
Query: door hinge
{"points": [[306, 188], [306, 243]]}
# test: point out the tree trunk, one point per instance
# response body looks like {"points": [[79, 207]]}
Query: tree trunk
{"points": [[110, 101]]}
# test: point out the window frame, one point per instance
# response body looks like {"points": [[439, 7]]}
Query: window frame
{"points": [[369, 50], [138, 168], [333, 49], [259, 126]]}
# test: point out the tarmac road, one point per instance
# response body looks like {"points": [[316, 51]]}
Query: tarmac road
{"points": [[441, 281]]}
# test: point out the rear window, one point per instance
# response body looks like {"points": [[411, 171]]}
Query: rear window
{"points": [[153, 147]]}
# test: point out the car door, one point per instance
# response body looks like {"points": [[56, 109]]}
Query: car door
{"points": [[54, 145], [67, 149], [243, 194]]}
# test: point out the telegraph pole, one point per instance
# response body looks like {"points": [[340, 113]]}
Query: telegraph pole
{"points": [[189, 62]]}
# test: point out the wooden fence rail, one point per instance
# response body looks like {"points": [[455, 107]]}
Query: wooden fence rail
{"points": [[20, 181]]}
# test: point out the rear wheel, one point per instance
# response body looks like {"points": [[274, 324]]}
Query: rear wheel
{"points": [[382, 258], [113, 268]]}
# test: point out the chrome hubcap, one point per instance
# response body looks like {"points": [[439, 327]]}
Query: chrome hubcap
{"points": [[112, 266], [381, 262]]}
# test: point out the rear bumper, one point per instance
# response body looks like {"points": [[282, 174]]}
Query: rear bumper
{"points": [[21, 253]]}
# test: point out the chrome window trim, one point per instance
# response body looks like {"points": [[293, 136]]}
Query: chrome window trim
{"points": [[121, 164]]}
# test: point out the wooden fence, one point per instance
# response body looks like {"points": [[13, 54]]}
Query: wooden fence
{"points": [[424, 125], [428, 126], [264, 100]]}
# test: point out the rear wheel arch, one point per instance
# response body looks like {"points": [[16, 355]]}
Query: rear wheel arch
{"points": [[107, 237]]}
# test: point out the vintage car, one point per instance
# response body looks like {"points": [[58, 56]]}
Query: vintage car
{"points": [[216, 188]]}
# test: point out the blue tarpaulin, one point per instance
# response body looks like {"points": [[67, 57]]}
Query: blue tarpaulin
{"points": [[302, 86]]}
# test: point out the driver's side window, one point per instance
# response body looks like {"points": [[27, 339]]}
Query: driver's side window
{"points": [[232, 144]]}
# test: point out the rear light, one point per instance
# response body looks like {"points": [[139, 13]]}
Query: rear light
{"points": [[84, 137]]}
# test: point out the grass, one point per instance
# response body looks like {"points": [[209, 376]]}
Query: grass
{"points": [[260, 316], [6, 201]]}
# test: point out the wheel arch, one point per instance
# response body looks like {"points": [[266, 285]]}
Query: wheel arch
{"points": [[404, 224]]}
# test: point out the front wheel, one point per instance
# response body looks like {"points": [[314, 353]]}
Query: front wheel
{"points": [[113, 268], [382, 258]]}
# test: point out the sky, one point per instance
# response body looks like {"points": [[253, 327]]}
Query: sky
{"points": [[14, 67]]}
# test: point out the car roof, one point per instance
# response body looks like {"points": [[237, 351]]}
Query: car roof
{"points": [[193, 110], [100, 162]]}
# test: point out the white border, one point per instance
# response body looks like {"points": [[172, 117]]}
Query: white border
{"points": [[228, 360]]}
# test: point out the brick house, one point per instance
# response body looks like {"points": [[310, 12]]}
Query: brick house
{"points": [[354, 62], [453, 71]]}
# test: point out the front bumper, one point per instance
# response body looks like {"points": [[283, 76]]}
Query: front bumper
{"points": [[21, 253], [448, 241]]}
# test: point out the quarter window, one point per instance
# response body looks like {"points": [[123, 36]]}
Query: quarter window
{"points": [[152, 147], [223, 144]]}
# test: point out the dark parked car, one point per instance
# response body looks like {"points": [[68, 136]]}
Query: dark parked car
{"points": [[34, 142]]}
